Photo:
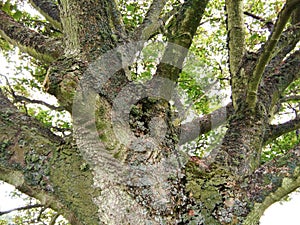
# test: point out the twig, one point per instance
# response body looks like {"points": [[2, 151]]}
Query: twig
{"points": [[19, 98], [21, 208], [255, 16], [53, 219], [290, 98]]}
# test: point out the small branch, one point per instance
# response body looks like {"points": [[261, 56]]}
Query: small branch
{"points": [[255, 16], [285, 45], [40, 214], [19, 98], [29, 41], [168, 15], [290, 98], [266, 55], [49, 10], [275, 131], [53, 219], [21, 208]]}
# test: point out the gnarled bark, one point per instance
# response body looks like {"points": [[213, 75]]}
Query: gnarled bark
{"points": [[100, 178]]}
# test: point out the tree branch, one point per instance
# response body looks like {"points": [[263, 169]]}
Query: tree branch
{"points": [[19, 98], [275, 131], [236, 45], [21, 208], [53, 219], [255, 16], [285, 45], [29, 41], [181, 31], [290, 98], [49, 10], [41, 165], [284, 76], [273, 181], [266, 55], [151, 23], [203, 125]]}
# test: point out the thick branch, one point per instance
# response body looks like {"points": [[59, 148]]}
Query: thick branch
{"points": [[273, 181], [276, 131], [181, 31], [266, 55], [29, 41], [49, 10], [43, 166], [236, 45], [203, 125]]}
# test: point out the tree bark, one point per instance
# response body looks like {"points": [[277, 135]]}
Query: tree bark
{"points": [[96, 177]]}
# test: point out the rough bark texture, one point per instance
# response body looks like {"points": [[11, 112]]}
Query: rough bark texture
{"points": [[95, 178]]}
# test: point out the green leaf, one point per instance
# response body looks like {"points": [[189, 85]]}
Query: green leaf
{"points": [[7, 6], [17, 15], [130, 8]]}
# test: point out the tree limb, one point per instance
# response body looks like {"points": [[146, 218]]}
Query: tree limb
{"points": [[266, 55], [203, 125], [275, 131], [20, 98], [28, 40], [21, 208], [285, 45], [39, 163], [273, 181], [236, 45], [284, 76], [151, 22], [255, 16], [181, 31], [53, 219], [49, 10]]}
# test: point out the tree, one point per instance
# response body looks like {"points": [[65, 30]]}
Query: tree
{"points": [[122, 164]]}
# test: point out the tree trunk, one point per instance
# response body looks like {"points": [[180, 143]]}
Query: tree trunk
{"points": [[122, 164]]}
